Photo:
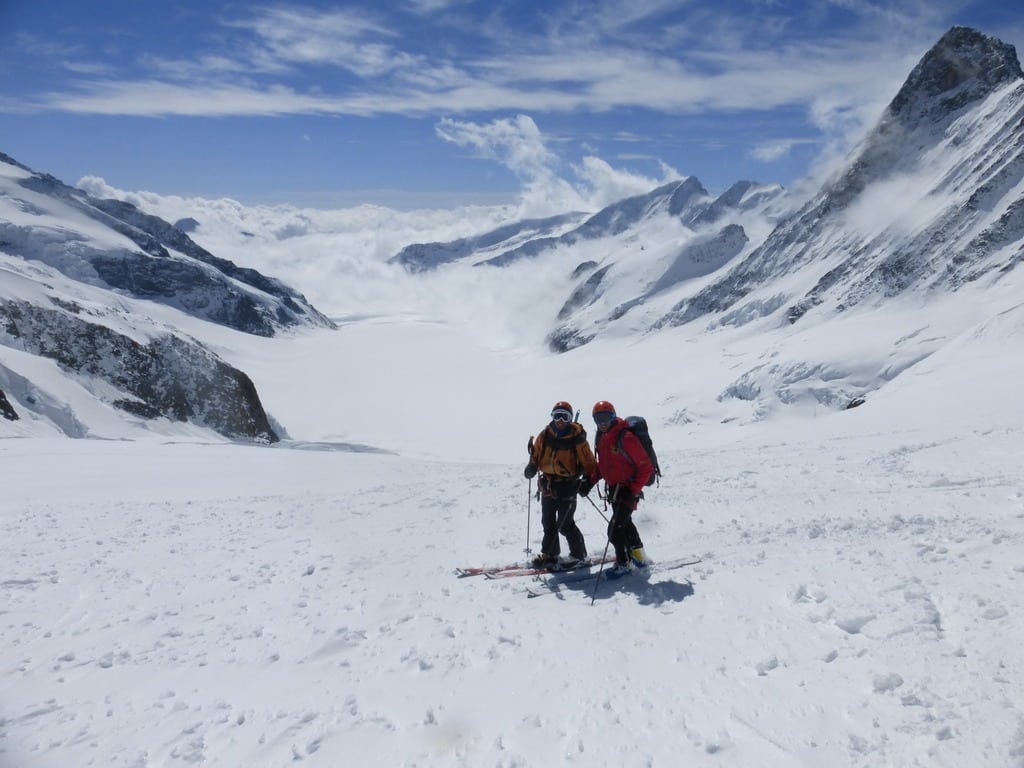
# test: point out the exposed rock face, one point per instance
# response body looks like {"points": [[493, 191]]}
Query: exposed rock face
{"points": [[168, 376], [80, 273], [964, 66], [584, 293], [6, 409], [566, 338]]}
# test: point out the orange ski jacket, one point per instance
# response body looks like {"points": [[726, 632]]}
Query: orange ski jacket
{"points": [[563, 457]]}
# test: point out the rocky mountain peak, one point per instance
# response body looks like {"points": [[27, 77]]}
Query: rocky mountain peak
{"points": [[929, 200], [963, 66]]}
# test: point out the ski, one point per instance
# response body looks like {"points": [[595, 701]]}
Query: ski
{"points": [[482, 570], [517, 569], [530, 570], [551, 584]]}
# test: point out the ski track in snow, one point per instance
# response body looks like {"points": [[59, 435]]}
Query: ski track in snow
{"points": [[859, 604]]}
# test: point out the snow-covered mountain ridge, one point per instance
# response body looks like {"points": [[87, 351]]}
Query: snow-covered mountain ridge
{"points": [[139, 254], [102, 290], [925, 218], [932, 199]]}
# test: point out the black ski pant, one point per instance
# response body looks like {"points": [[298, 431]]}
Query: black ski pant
{"points": [[557, 516], [622, 532]]}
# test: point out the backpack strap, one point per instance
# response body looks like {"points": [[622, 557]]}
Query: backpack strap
{"points": [[622, 451]]}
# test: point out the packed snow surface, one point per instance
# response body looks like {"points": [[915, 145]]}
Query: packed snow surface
{"points": [[175, 601]]}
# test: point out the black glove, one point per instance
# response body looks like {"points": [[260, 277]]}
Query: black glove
{"points": [[585, 487], [530, 471]]}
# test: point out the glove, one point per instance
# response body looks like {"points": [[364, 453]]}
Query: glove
{"points": [[530, 471], [585, 487]]}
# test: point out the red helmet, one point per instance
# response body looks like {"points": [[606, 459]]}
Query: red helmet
{"points": [[562, 411], [603, 406]]}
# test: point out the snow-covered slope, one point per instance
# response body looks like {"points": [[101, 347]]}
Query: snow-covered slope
{"points": [[420, 257], [112, 244], [858, 602]]}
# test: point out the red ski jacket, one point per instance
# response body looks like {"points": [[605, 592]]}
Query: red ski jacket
{"points": [[628, 466]]}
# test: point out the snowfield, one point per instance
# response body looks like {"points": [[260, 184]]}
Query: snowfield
{"points": [[172, 602]]}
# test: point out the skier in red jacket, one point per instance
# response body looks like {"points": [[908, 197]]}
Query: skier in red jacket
{"points": [[623, 465]]}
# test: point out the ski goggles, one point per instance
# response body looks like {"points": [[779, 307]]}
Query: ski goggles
{"points": [[561, 415], [603, 417]]}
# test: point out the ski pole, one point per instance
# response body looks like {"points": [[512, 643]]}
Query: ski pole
{"points": [[597, 508], [563, 517], [529, 498], [600, 570], [604, 557]]}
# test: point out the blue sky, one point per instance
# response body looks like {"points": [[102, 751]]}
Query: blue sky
{"points": [[434, 103]]}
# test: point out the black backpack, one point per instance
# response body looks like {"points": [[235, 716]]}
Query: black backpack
{"points": [[638, 426]]}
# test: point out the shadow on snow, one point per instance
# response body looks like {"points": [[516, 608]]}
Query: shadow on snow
{"points": [[648, 593]]}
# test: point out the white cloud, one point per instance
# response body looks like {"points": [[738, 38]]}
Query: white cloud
{"points": [[573, 63], [770, 151], [519, 145], [337, 258], [606, 184], [593, 62], [515, 142], [152, 98], [432, 6]]}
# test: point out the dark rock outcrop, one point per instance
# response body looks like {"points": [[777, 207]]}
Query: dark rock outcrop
{"points": [[167, 376], [6, 409]]}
